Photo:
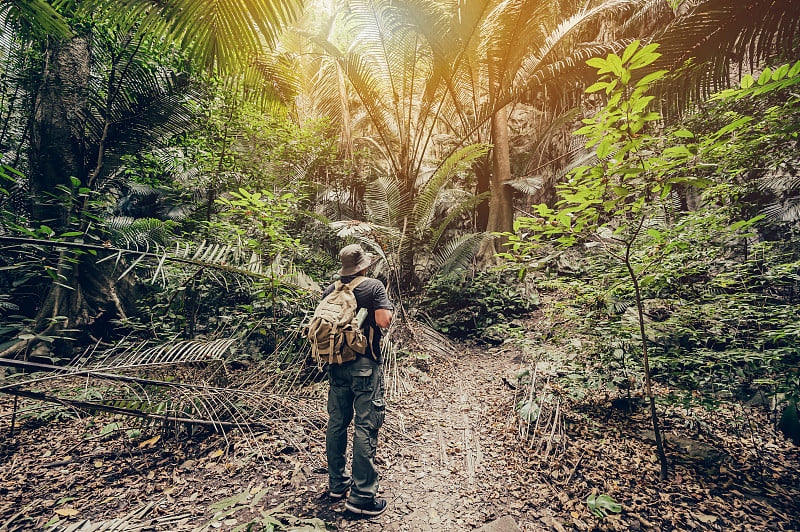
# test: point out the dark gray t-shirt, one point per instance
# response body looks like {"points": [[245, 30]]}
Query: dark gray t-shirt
{"points": [[371, 295]]}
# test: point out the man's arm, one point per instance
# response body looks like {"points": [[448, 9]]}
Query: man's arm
{"points": [[383, 317]]}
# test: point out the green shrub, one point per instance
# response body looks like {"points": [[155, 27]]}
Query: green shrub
{"points": [[462, 305]]}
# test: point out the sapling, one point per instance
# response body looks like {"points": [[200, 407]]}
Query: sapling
{"points": [[611, 202]]}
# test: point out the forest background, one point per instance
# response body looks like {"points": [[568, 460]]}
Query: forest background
{"points": [[177, 178]]}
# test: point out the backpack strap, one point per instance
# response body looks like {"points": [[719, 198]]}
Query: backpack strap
{"points": [[355, 282]]}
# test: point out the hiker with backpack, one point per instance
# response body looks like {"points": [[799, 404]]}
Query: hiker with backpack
{"points": [[345, 333]]}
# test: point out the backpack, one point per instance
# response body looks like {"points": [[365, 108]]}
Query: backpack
{"points": [[333, 330]]}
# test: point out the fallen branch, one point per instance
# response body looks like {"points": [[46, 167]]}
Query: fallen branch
{"points": [[92, 407]]}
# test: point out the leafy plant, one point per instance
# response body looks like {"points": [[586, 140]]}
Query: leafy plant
{"points": [[616, 203], [465, 305], [601, 504]]}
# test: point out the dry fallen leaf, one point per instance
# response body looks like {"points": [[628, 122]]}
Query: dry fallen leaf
{"points": [[67, 512], [148, 443]]}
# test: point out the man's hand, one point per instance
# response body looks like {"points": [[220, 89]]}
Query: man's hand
{"points": [[383, 317]]}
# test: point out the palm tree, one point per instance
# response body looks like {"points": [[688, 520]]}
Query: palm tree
{"points": [[399, 94]]}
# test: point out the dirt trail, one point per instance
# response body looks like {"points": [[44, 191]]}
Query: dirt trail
{"points": [[450, 476], [449, 456]]}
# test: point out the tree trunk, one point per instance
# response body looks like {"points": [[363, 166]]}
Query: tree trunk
{"points": [[483, 173], [85, 292], [346, 142], [58, 149], [501, 206]]}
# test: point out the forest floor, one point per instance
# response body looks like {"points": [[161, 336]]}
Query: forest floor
{"points": [[454, 455]]}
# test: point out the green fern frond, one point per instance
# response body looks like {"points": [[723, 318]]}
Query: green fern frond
{"points": [[457, 253], [426, 198]]}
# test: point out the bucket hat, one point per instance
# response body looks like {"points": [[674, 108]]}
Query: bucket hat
{"points": [[354, 259]]}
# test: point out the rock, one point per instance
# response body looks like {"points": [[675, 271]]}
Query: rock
{"points": [[693, 449], [759, 398], [504, 524], [790, 423]]}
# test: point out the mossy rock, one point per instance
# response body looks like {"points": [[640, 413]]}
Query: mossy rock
{"points": [[790, 423]]}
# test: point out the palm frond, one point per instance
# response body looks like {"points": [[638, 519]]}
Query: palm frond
{"points": [[385, 202], [464, 206], [37, 16], [528, 185], [784, 211], [652, 15], [123, 386], [225, 258], [457, 161], [544, 61], [218, 34], [458, 252], [140, 233], [715, 36]]}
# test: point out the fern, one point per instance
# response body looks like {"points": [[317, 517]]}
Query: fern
{"points": [[458, 252], [142, 233]]}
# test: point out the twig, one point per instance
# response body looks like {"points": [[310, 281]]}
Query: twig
{"points": [[575, 467], [442, 448], [13, 417], [4, 526]]}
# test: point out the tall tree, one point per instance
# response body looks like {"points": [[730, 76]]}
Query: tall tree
{"points": [[74, 117]]}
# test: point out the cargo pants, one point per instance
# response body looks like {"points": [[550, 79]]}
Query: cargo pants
{"points": [[356, 392]]}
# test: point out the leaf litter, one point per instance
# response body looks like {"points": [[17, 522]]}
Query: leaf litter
{"points": [[455, 454]]}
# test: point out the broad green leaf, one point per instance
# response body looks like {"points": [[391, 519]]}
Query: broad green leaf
{"points": [[641, 104], [644, 57], [780, 72], [649, 78], [597, 62], [600, 85], [630, 50], [765, 76], [615, 63], [747, 81]]}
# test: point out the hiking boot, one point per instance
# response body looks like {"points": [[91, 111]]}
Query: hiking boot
{"points": [[338, 495], [372, 508]]}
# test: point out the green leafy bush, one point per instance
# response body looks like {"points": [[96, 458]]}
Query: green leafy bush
{"points": [[462, 305]]}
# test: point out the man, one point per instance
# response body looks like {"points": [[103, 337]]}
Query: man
{"points": [[356, 387]]}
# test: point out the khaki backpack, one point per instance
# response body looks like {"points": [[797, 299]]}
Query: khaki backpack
{"points": [[333, 330]]}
